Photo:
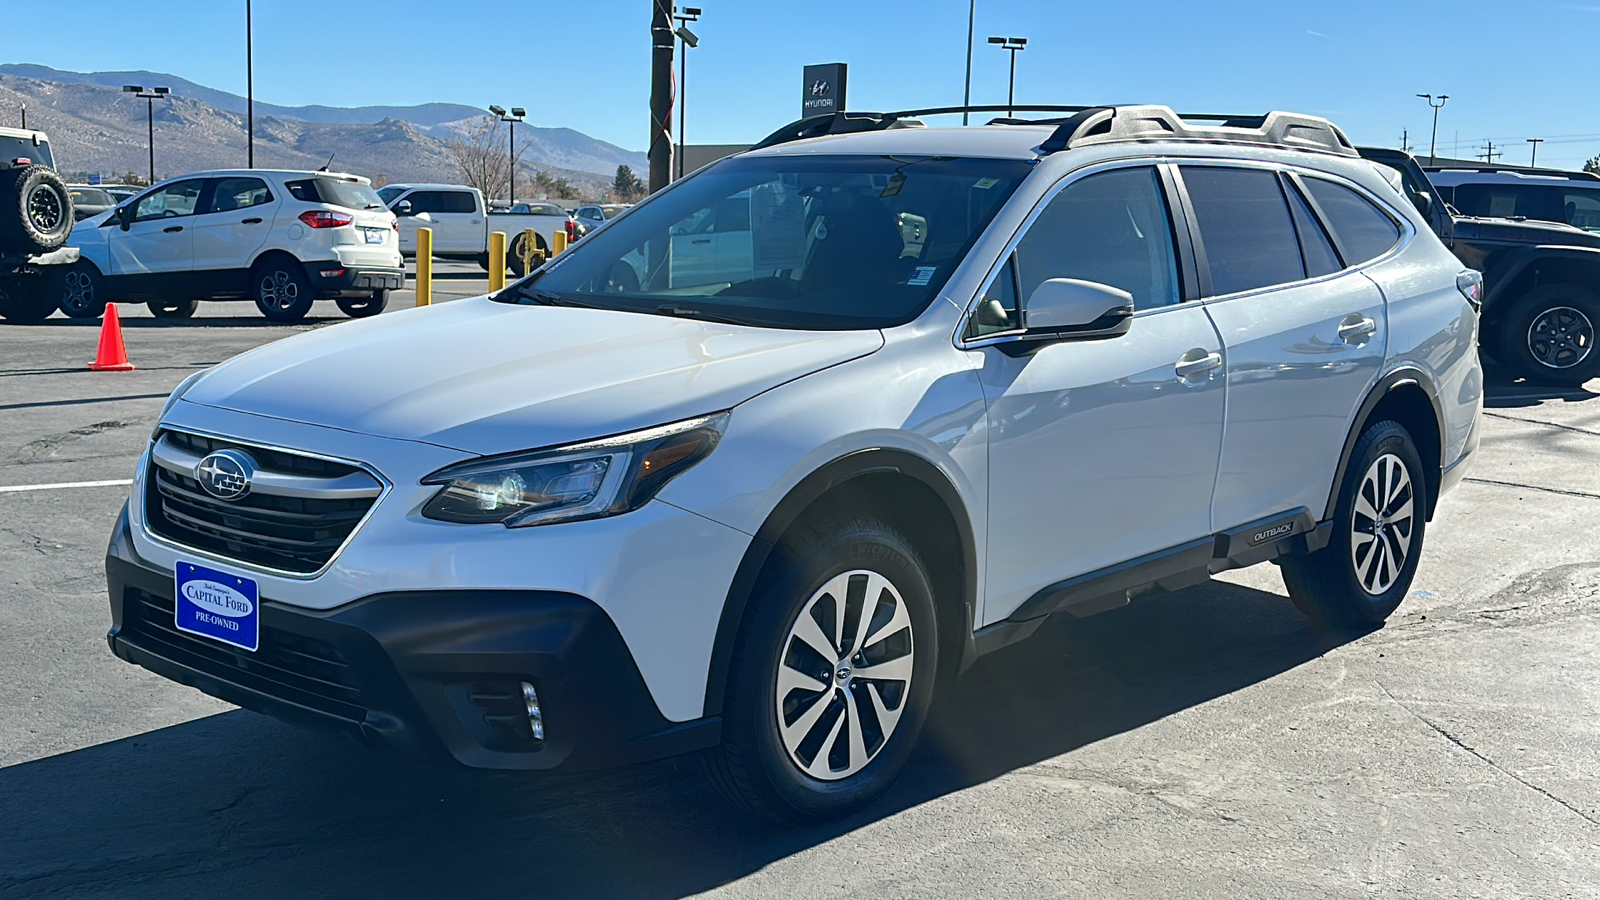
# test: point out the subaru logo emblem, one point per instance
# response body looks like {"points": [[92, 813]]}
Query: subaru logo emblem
{"points": [[820, 89], [225, 474]]}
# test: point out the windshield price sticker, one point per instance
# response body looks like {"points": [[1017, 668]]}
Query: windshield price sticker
{"points": [[218, 605], [778, 228]]}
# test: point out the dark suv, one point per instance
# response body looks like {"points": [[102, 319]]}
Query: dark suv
{"points": [[1541, 309]]}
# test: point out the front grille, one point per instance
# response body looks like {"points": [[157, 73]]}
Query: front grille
{"points": [[293, 667], [298, 532]]}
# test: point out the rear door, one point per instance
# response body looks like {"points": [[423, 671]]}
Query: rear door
{"points": [[234, 224], [1304, 337], [160, 236]]}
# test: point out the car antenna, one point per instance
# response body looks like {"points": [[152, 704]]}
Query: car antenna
{"points": [[329, 162]]}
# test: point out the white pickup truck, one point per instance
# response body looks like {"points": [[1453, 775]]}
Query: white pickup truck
{"points": [[461, 228]]}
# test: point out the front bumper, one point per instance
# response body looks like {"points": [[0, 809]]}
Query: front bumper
{"points": [[335, 279], [432, 674]]}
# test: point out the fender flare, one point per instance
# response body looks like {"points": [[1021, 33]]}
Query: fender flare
{"points": [[1399, 377], [800, 498], [1511, 263]]}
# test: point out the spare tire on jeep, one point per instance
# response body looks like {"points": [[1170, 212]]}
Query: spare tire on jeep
{"points": [[35, 210]]}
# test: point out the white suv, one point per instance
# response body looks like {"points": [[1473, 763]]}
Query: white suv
{"points": [[282, 239], [617, 512]]}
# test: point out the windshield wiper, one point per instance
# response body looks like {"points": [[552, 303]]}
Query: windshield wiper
{"points": [[531, 294], [673, 309]]}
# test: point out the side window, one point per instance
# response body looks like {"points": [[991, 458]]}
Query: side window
{"points": [[173, 200], [1111, 228], [457, 202], [1245, 226], [239, 193], [733, 214], [1314, 245], [1364, 231], [423, 202], [1582, 209], [997, 309]]}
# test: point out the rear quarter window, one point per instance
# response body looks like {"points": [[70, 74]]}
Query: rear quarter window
{"points": [[1364, 231]]}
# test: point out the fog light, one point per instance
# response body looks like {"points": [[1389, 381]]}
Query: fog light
{"points": [[530, 699]]}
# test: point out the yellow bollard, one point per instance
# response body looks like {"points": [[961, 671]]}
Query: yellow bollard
{"points": [[530, 250], [497, 261], [424, 266], [560, 244]]}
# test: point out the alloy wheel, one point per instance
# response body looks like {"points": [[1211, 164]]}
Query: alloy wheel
{"points": [[1382, 524], [1561, 337], [78, 292], [845, 675], [44, 209], [278, 290]]}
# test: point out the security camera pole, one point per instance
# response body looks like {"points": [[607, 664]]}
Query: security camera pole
{"points": [[150, 98], [688, 39], [660, 94]]}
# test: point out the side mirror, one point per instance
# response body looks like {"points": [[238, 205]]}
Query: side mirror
{"points": [[403, 208], [124, 217], [1069, 309], [1424, 203]]}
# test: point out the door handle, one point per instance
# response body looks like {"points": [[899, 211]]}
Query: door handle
{"points": [[253, 220], [1356, 326], [701, 241], [1190, 367], [172, 228]]}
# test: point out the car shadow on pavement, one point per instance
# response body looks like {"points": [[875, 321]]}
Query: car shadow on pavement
{"points": [[1504, 390], [240, 805]]}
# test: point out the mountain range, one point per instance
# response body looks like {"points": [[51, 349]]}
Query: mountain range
{"points": [[95, 127]]}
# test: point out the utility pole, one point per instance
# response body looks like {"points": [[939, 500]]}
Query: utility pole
{"points": [[249, 89], [1533, 161], [24, 115], [1433, 143], [1405, 140], [972, 12], [661, 98], [1489, 152]]}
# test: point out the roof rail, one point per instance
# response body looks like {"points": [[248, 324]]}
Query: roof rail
{"points": [[1089, 125], [1521, 170], [1108, 124]]}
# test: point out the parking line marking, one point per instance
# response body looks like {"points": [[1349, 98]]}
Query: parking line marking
{"points": [[19, 488]]}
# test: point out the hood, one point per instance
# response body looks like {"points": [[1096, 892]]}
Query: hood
{"points": [[1523, 231], [485, 377]]}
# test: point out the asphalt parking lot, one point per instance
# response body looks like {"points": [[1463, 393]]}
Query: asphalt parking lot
{"points": [[1208, 743]]}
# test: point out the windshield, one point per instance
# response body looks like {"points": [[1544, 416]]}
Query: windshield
{"points": [[90, 196], [12, 148], [815, 242], [609, 211], [387, 194]]}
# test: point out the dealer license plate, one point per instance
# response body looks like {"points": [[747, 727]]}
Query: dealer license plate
{"points": [[375, 235], [218, 605]]}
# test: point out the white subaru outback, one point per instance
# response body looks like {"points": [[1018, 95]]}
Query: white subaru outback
{"points": [[628, 507]]}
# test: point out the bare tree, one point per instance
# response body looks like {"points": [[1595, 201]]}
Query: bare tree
{"points": [[480, 152]]}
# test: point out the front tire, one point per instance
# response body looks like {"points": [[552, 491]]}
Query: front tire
{"points": [[83, 294], [362, 307], [1549, 333], [1358, 580], [281, 290], [832, 674]]}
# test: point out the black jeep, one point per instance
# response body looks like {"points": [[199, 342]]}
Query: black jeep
{"points": [[35, 222]]}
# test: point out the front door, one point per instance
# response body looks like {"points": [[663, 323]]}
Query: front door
{"points": [[1106, 450], [159, 241]]}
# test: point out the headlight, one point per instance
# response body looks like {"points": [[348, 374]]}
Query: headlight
{"points": [[580, 481], [174, 397]]}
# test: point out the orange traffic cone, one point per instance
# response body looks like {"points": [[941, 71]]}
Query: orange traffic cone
{"points": [[112, 357]]}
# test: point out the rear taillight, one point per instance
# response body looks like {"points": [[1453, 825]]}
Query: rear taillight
{"points": [[396, 224], [322, 218], [21, 161], [1470, 284], [572, 231]]}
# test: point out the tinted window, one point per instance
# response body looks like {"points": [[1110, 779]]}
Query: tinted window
{"points": [[335, 192], [1314, 245], [455, 202], [22, 148], [173, 200], [822, 247], [1111, 228], [1244, 223], [1364, 231], [1548, 203], [239, 193]]}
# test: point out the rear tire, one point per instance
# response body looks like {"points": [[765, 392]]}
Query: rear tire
{"points": [[83, 293], [35, 210], [362, 307], [832, 673], [281, 290], [27, 299], [1549, 334], [172, 309], [1358, 580], [514, 253]]}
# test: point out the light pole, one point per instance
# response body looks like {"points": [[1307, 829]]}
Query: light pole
{"points": [[687, 39], [1012, 44], [150, 98], [1433, 143], [518, 114], [972, 12], [1533, 162], [249, 89]]}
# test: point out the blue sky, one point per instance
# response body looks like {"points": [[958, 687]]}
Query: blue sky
{"points": [[1513, 70]]}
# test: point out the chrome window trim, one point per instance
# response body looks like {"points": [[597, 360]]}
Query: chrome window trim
{"points": [[144, 507]]}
